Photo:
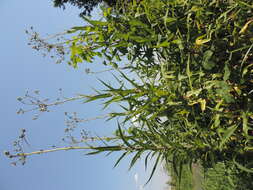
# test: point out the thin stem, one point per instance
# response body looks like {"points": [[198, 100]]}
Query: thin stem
{"points": [[74, 148], [93, 118], [47, 151], [103, 149], [66, 100], [55, 35]]}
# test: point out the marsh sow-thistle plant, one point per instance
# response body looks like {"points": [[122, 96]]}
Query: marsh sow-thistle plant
{"points": [[191, 95]]}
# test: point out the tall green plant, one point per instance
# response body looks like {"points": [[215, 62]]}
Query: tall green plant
{"points": [[191, 95]]}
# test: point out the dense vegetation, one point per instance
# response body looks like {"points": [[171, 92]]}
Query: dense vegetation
{"points": [[185, 82]]}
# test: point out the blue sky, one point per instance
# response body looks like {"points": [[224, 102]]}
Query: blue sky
{"points": [[24, 69]]}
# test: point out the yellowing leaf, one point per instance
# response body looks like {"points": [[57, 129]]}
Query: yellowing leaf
{"points": [[245, 27], [202, 104], [199, 41]]}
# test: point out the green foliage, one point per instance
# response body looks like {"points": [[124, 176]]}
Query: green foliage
{"points": [[191, 95], [186, 180], [220, 177], [194, 63]]}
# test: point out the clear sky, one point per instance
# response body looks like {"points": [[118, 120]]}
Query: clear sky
{"points": [[24, 69]]}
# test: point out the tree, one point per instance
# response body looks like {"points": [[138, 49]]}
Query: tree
{"points": [[191, 99], [86, 5]]}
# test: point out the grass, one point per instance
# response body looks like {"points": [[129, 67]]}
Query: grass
{"points": [[219, 177]]}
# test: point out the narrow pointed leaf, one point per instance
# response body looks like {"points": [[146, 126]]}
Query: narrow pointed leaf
{"points": [[122, 136], [94, 152], [227, 134], [243, 167], [146, 160], [120, 158], [154, 168], [135, 158]]}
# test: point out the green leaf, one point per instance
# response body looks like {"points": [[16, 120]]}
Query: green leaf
{"points": [[95, 22], [135, 158], [244, 3], [122, 137], [96, 97], [163, 44], [227, 134], [243, 167], [94, 152], [146, 160], [154, 168], [179, 43], [77, 28], [136, 22], [207, 63], [120, 158], [245, 126], [226, 73], [208, 54], [108, 148], [170, 19]]}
